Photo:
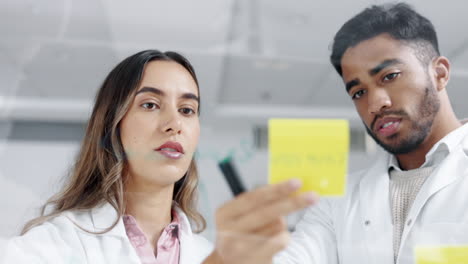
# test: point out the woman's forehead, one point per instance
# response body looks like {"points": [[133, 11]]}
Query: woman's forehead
{"points": [[168, 76]]}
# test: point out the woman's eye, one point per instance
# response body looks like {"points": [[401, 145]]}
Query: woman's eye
{"points": [[358, 94], [150, 106], [187, 111], [391, 76]]}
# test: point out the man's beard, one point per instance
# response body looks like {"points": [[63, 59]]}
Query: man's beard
{"points": [[421, 125]]}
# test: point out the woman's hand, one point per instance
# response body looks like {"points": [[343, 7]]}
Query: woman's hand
{"points": [[251, 228]]}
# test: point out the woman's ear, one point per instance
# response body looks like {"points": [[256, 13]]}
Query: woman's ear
{"points": [[441, 72]]}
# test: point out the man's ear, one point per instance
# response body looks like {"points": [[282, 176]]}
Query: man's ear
{"points": [[441, 66]]}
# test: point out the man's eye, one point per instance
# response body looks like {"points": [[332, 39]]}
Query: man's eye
{"points": [[358, 94], [187, 111], [150, 106], [391, 76]]}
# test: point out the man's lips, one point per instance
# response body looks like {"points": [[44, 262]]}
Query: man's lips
{"points": [[387, 126], [171, 149]]}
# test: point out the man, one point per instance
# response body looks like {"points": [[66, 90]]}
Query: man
{"points": [[417, 191]]}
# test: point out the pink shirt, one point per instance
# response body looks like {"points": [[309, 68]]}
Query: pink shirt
{"points": [[168, 247]]}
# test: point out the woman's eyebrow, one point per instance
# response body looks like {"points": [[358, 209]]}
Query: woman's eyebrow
{"points": [[148, 89], [190, 96]]}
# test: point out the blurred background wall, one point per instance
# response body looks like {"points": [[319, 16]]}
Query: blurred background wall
{"points": [[255, 59]]}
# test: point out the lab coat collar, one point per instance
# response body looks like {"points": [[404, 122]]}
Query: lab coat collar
{"points": [[440, 150], [103, 216]]}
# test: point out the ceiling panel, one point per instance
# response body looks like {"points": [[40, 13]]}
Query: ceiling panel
{"points": [[268, 54], [30, 19], [196, 25], [301, 28], [85, 20], [66, 71], [268, 81]]}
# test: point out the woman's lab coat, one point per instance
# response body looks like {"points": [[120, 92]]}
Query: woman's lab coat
{"points": [[358, 228], [62, 241]]}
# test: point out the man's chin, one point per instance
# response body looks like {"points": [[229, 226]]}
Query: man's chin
{"points": [[393, 146]]}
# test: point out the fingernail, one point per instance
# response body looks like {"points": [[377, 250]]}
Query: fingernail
{"points": [[294, 184], [310, 197]]}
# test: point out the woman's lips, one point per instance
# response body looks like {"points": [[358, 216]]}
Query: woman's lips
{"points": [[171, 150], [170, 153]]}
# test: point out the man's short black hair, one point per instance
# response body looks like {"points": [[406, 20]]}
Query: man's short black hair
{"points": [[399, 20]]}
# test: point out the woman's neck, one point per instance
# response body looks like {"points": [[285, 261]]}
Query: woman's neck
{"points": [[151, 210]]}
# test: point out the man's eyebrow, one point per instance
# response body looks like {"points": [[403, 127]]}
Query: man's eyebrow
{"points": [[148, 89], [157, 91], [352, 83], [373, 72], [383, 65]]}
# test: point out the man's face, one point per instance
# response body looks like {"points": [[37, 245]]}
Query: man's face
{"points": [[392, 91]]}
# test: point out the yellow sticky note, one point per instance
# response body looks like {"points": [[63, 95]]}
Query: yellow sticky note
{"points": [[441, 254], [313, 150]]}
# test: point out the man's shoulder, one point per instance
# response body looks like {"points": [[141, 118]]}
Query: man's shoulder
{"points": [[377, 164], [369, 175]]}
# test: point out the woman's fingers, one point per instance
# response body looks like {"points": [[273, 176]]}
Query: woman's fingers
{"points": [[251, 228], [264, 214], [246, 202], [276, 226]]}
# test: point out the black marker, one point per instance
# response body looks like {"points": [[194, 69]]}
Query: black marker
{"points": [[231, 176]]}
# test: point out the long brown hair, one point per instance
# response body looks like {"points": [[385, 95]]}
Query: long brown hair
{"points": [[99, 173]]}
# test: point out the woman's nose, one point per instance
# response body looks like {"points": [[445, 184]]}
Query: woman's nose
{"points": [[172, 123]]}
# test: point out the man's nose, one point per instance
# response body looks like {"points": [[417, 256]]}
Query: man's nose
{"points": [[378, 99]]}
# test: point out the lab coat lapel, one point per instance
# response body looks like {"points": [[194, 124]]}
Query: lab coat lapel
{"points": [[453, 167], [449, 171], [376, 217], [188, 246]]}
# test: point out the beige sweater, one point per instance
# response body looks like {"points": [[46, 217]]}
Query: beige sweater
{"points": [[404, 186]]}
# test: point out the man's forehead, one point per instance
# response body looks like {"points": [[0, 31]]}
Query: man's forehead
{"points": [[373, 48], [370, 67], [352, 66], [370, 62]]}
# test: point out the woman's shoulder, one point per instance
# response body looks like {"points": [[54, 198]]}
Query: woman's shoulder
{"points": [[54, 239], [62, 227], [63, 223]]}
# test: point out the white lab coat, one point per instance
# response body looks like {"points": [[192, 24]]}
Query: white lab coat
{"points": [[62, 241], [357, 228]]}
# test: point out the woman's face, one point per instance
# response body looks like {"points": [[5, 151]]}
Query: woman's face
{"points": [[161, 129]]}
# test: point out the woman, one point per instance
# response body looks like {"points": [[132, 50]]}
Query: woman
{"points": [[135, 177], [132, 193]]}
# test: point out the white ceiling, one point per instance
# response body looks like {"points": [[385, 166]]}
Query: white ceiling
{"points": [[254, 58]]}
